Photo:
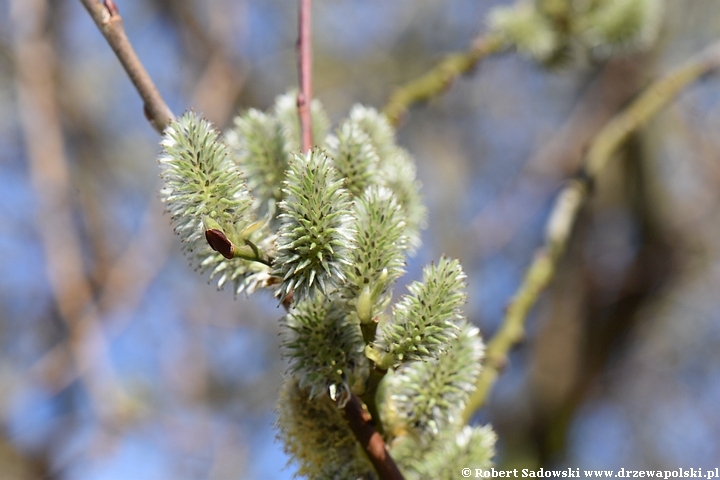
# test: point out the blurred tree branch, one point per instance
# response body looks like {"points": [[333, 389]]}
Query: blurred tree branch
{"points": [[560, 155], [127, 280], [21, 466], [568, 204], [437, 80], [51, 180], [223, 75]]}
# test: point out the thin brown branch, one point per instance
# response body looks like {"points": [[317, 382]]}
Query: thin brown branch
{"points": [[304, 97], [361, 424], [109, 21], [568, 205]]}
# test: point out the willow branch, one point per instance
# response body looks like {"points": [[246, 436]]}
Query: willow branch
{"points": [[437, 80], [108, 20], [359, 420], [304, 97], [568, 204], [370, 395], [361, 424]]}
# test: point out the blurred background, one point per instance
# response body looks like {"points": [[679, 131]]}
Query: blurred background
{"points": [[117, 361]]}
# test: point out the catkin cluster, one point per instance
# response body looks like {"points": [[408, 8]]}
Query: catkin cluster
{"points": [[328, 232], [555, 30]]}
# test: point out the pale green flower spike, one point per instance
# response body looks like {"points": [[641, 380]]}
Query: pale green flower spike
{"points": [[622, 25], [377, 127], [471, 447], [330, 230], [396, 169], [526, 28], [354, 157], [423, 323], [398, 174], [261, 153], [317, 437], [286, 111], [203, 188], [379, 257], [426, 397], [548, 31], [326, 352], [316, 237]]}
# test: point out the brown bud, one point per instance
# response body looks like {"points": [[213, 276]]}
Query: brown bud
{"points": [[219, 242]]}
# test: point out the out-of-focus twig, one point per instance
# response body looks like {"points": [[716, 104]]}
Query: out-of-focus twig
{"points": [[304, 47], [49, 173], [217, 89], [206, 42], [122, 289], [568, 204], [437, 80], [108, 20], [556, 157]]}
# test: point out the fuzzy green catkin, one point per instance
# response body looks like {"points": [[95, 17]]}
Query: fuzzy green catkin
{"points": [[316, 236], [201, 185], [316, 436], [354, 157], [262, 154], [424, 322], [471, 447], [622, 26], [326, 352], [548, 30], [426, 397], [377, 128], [379, 257], [398, 174], [525, 27], [396, 169], [285, 111]]}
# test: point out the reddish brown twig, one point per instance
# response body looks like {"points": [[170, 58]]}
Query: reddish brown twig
{"points": [[358, 418], [108, 20], [305, 73], [361, 424]]}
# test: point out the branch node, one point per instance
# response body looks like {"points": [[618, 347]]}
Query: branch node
{"points": [[111, 7]]}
